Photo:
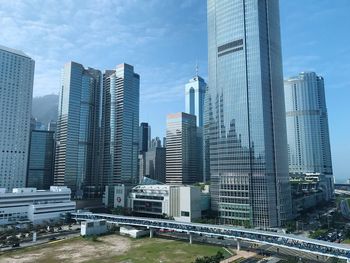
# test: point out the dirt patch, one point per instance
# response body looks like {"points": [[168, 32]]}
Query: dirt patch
{"points": [[75, 252]]}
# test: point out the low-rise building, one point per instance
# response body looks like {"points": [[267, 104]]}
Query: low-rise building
{"points": [[115, 195], [181, 202], [93, 227], [37, 206], [133, 232]]}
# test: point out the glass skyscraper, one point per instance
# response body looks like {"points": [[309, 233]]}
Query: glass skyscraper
{"points": [[145, 137], [307, 127], [245, 126], [77, 135], [41, 159], [16, 89], [120, 126], [194, 98]]}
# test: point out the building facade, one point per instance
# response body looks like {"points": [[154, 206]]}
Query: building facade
{"points": [[245, 122], [155, 164], [183, 203], [120, 126], [181, 149], [37, 206], [16, 89], [78, 130], [307, 127], [41, 160]]}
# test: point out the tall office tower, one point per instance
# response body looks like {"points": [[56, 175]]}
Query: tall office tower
{"points": [[76, 160], [155, 161], [194, 98], [245, 123], [181, 149], [41, 159], [16, 89], [307, 128], [144, 137], [120, 126]]}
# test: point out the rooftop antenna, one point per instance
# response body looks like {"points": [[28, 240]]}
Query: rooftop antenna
{"points": [[197, 68]]}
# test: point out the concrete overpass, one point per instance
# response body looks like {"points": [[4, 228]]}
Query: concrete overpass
{"points": [[297, 243], [341, 192]]}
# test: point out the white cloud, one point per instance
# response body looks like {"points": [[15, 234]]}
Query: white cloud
{"points": [[54, 32]]}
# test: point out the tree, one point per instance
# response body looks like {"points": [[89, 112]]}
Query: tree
{"points": [[212, 259], [12, 240]]}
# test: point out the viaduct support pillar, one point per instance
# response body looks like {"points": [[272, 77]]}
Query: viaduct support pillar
{"points": [[238, 245], [151, 230], [191, 237]]}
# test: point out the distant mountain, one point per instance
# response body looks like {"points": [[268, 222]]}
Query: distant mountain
{"points": [[45, 108]]}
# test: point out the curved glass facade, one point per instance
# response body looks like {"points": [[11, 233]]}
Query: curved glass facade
{"points": [[245, 122], [307, 126]]}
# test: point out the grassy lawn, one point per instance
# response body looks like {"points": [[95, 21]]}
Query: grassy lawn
{"points": [[346, 241], [160, 250], [113, 248]]}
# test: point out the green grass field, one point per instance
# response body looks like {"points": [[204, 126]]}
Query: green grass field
{"points": [[113, 248]]}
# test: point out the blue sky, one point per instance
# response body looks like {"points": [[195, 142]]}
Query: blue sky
{"points": [[163, 39]]}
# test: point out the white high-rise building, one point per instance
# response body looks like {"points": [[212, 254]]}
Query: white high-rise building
{"points": [[16, 89], [307, 128]]}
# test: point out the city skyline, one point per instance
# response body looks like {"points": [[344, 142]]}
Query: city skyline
{"points": [[304, 48]]}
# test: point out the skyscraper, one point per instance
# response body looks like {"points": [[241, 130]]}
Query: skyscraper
{"points": [[307, 127], [120, 126], [245, 121], [155, 161], [78, 129], [181, 149], [41, 159], [144, 137], [194, 98], [16, 89]]}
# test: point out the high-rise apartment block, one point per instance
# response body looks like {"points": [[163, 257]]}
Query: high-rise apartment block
{"points": [[181, 149], [41, 160], [307, 128], [120, 126], [16, 89], [78, 129], [245, 121]]}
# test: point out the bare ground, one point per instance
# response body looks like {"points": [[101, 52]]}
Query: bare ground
{"points": [[76, 251]]}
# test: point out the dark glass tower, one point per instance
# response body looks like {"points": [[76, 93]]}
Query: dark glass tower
{"points": [[245, 128], [41, 159], [145, 137]]}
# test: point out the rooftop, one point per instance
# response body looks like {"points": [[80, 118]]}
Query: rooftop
{"points": [[14, 51]]}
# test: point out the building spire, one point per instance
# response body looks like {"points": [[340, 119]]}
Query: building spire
{"points": [[196, 68]]}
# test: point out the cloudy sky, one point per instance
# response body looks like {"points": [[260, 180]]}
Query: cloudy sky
{"points": [[164, 39]]}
